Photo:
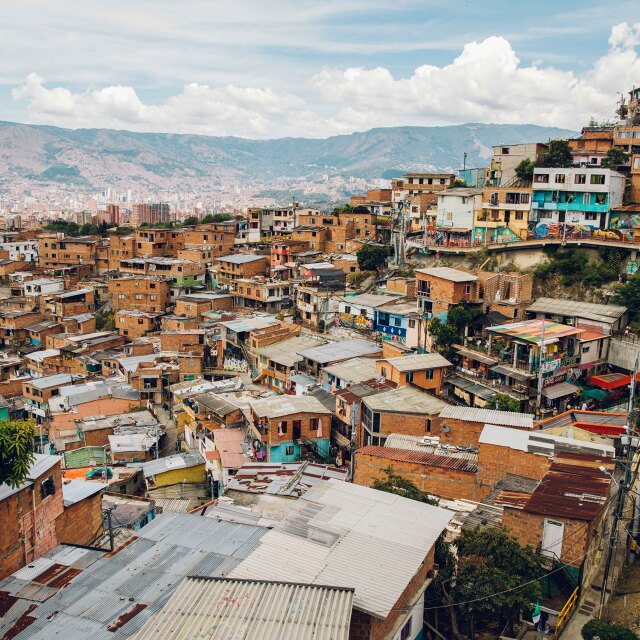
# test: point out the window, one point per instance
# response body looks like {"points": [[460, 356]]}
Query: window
{"points": [[288, 451], [580, 178], [153, 297], [429, 374], [397, 322], [601, 198], [597, 178], [409, 376], [560, 178], [541, 177], [314, 423], [121, 320], [405, 632], [593, 161], [427, 425], [467, 289], [283, 427], [412, 324], [505, 152], [519, 215], [121, 296], [383, 371], [590, 216], [48, 487], [347, 309]]}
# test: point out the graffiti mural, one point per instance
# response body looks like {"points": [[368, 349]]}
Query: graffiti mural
{"points": [[360, 323]]}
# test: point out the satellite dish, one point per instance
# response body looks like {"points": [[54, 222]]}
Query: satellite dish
{"points": [[445, 428]]}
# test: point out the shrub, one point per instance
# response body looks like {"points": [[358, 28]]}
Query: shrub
{"points": [[607, 631]]}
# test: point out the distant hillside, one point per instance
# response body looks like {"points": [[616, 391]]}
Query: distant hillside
{"points": [[101, 158]]}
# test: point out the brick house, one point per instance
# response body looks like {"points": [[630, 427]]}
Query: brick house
{"points": [[13, 326], [262, 294], [282, 426], [140, 293], [79, 255], [451, 476], [424, 371], [565, 518], [216, 411], [240, 266], [440, 288], [135, 324], [406, 410], [38, 391], [81, 520], [196, 304], [29, 514], [285, 251], [529, 454], [462, 426], [69, 303]]}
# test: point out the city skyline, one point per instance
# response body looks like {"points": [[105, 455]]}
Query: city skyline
{"points": [[270, 71]]}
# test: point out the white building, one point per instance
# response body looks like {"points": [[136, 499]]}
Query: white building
{"points": [[42, 287], [26, 250], [456, 208]]}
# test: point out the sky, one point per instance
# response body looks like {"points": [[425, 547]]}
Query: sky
{"points": [[314, 68]]}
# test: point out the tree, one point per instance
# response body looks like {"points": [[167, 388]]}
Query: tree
{"points": [[401, 486], [606, 631], [498, 574], [371, 257], [558, 155], [503, 402], [628, 295], [457, 183], [614, 158], [190, 221], [16, 451], [444, 336], [460, 316], [524, 170]]}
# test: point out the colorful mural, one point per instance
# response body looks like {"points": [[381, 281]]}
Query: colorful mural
{"points": [[624, 221], [360, 323]]}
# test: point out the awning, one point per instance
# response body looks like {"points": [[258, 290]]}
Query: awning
{"points": [[472, 387], [596, 394], [512, 373], [611, 380], [454, 230], [340, 440], [560, 390]]}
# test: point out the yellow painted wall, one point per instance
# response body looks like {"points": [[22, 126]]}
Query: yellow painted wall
{"points": [[192, 475]]}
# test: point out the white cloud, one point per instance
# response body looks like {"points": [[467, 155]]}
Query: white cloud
{"points": [[228, 110], [486, 82]]}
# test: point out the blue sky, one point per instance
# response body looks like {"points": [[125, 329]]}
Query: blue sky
{"points": [[295, 67]]}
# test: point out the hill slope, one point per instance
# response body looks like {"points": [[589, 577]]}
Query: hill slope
{"points": [[100, 158]]}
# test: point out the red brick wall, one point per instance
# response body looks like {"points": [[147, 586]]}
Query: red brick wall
{"points": [[528, 528], [81, 523], [495, 462], [305, 430], [446, 483]]}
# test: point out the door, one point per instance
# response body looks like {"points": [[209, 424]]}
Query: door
{"points": [[552, 537], [297, 431]]}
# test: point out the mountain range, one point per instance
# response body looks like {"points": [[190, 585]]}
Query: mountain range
{"points": [[100, 158]]}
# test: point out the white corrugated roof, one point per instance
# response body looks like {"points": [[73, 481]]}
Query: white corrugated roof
{"points": [[608, 313], [341, 350], [344, 534], [447, 273], [220, 609], [418, 362], [491, 416], [278, 406]]}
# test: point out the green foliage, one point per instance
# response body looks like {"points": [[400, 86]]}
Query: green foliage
{"points": [[190, 221], [628, 295], [401, 486], [16, 451], [614, 158], [503, 402], [106, 321], [457, 183], [460, 316], [358, 277], [68, 228], [372, 257], [558, 155], [575, 268], [445, 334], [215, 217], [524, 170], [607, 631], [492, 562]]}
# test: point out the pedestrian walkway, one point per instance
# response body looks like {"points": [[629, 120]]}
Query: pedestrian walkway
{"points": [[164, 417]]}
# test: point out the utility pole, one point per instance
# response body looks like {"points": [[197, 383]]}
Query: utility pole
{"points": [[625, 484], [540, 372], [464, 161], [354, 438], [110, 525]]}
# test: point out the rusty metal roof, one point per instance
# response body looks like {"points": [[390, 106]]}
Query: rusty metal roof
{"points": [[571, 491], [427, 459]]}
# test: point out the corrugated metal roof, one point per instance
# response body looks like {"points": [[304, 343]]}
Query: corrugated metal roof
{"points": [[278, 406], [405, 400], [282, 478], [418, 362], [74, 491], [179, 505], [343, 534], [607, 313], [427, 459], [286, 352], [51, 381], [426, 444], [170, 463], [341, 350], [220, 609], [491, 416], [447, 273], [241, 258], [215, 403], [110, 596]]}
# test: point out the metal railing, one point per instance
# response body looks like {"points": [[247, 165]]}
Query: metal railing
{"points": [[566, 612]]}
